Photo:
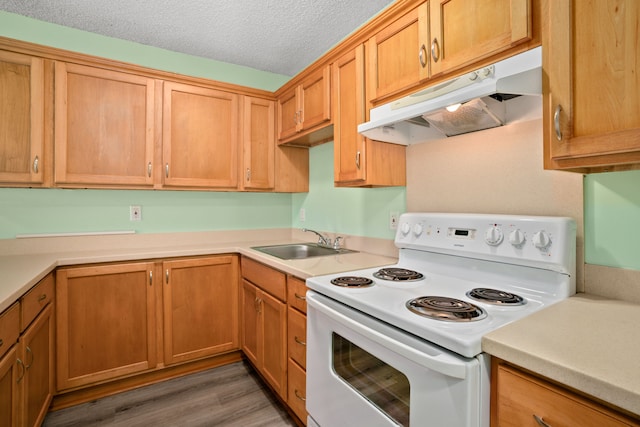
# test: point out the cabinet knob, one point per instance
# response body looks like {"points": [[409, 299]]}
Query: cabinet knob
{"points": [[358, 159], [36, 163], [149, 169], [166, 170], [422, 56], [435, 50], [556, 122]]}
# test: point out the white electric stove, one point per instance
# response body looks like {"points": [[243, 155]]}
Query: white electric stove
{"points": [[458, 277]]}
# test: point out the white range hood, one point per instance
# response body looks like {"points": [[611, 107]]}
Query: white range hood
{"points": [[505, 92]]}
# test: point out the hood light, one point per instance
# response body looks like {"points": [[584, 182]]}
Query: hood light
{"points": [[454, 107]]}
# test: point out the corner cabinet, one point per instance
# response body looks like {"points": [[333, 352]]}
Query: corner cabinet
{"points": [[359, 161], [304, 110], [199, 137], [520, 399], [104, 127], [591, 105], [22, 105]]}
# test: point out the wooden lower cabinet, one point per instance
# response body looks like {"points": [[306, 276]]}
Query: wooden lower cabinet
{"points": [[200, 307], [118, 320], [520, 399], [9, 392], [264, 322]]}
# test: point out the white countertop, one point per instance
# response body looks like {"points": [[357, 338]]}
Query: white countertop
{"points": [[586, 342]]}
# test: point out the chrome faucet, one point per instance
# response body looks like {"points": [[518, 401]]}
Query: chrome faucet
{"points": [[322, 240]]}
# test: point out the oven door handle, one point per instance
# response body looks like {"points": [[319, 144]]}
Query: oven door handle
{"points": [[451, 367]]}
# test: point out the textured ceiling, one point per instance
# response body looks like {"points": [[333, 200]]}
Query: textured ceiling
{"points": [[280, 36]]}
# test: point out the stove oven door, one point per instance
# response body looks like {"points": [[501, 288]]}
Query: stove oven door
{"points": [[363, 372]]}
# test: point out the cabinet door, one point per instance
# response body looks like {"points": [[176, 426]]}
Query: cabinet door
{"points": [[200, 137], [104, 127], [9, 392], [591, 106], [22, 112], [250, 321], [200, 307], [258, 143], [315, 98], [288, 114], [465, 31], [272, 341], [398, 55], [349, 112], [36, 346], [105, 322]]}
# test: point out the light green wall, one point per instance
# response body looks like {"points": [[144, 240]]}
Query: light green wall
{"points": [[35, 31], [358, 211], [361, 212], [612, 219]]}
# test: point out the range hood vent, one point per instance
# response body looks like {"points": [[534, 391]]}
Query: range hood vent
{"points": [[505, 92]]}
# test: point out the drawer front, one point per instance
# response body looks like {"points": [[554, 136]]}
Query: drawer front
{"points": [[297, 290], [35, 300], [522, 397], [9, 327], [298, 337], [266, 278], [297, 390]]}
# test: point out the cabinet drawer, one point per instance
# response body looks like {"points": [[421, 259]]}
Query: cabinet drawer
{"points": [[9, 327], [35, 300], [297, 290], [266, 278], [298, 337], [297, 390], [520, 397]]}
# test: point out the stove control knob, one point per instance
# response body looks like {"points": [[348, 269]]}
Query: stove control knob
{"points": [[541, 240], [493, 236], [418, 229], [405, 228], [516, 237]]}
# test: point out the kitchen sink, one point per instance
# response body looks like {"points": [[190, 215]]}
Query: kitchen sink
{"points": [[300, 250]]}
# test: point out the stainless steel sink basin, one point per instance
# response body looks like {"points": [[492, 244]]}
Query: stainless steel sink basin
{"points": [[300, 250]]}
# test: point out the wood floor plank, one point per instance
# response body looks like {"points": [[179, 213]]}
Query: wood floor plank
{"points": [[230, 395]]}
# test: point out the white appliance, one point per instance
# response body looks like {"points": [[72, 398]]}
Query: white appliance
{"points": [[508, 91], [401, 345]]}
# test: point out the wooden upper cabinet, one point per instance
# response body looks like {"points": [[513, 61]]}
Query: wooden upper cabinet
{"points": [[398, 55], [199, 137], [359, 161], [304, 111], [22, 118], [104, 127], [258, 143], [591, 106], [464, 31]]}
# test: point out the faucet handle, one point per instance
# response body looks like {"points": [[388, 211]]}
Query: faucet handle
{"points": [[336, 243]]}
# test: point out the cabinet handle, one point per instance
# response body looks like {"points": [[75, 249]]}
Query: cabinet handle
{"points": [[149, 169], [435, 50], [295, 118], [36, 162], [540, 421], [422, 56], [556, 122], [42, 297], [258, 303], [166, 170], [358, 159], [150, 278], [300, 297], [166, 275], [1, 342], [29, 352], [299, 341], [248, 175], [297, 393], [23, 370]]}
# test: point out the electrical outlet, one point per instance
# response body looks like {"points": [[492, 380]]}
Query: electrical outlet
{"points": [[135, 213], [302, 215], [393, 220]]}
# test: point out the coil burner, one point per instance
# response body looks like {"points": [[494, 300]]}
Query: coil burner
{"points": [[445, 308], [397, 274], [495, 296], [352, 281]]}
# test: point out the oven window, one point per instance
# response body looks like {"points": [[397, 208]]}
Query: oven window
{"points": [[384, 386]]}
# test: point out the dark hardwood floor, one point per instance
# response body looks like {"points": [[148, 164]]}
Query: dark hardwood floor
{"points": [[230, 395]]}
